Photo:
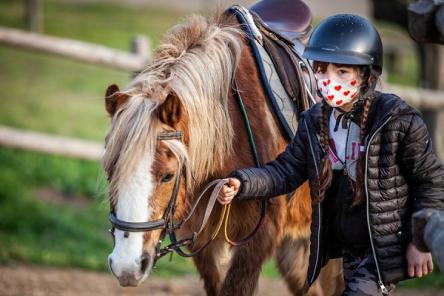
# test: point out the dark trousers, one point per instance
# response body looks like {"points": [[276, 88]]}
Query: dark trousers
{"points": [[360, 275]]}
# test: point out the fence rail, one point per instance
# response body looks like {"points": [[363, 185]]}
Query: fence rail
{"points": [[424, 99], [421, 98], [50, 144], [81, 51]]}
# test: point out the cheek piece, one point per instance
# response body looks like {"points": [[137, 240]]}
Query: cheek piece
{"points": [[337, 94]]}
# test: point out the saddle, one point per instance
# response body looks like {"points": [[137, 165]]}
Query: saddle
{"points": [[279, 60], [291, 19]]}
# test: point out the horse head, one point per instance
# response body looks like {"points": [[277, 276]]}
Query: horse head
{"points": [[144, 159], [171, 120]]}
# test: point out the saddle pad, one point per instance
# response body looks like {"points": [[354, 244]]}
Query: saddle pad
{"points": [[283, 107]]}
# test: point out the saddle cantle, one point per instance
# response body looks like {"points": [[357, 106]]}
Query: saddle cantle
{"points": [[290, 18]]}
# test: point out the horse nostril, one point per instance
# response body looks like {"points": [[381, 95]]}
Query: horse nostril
{"points": [[145, 261]]}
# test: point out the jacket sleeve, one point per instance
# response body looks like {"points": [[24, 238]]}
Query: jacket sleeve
{"points": [[282, 175], [421, 167]]}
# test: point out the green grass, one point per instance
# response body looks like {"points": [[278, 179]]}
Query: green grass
{"points": [[37, 231]]}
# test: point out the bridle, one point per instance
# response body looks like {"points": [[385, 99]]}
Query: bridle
{"points": [[167, 223]]}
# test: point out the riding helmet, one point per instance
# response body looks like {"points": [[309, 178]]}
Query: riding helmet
{"points": [[346, 39]]}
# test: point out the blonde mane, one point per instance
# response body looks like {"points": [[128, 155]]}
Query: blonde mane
{"points": [[196, 61]]}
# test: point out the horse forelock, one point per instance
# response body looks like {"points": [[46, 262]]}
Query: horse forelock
{"points": [[128, 140], [196, 60]]}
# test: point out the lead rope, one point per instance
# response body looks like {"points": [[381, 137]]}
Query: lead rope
{"points": [[226, 211], [175, 244]]}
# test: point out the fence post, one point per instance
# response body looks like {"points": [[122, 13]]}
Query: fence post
{"points": [[33, 16], [140, 46], [432, 77]]}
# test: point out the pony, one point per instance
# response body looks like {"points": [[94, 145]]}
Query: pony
{"points": [[188, 87]]}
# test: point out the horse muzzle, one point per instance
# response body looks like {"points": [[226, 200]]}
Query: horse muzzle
{"points": [[133, 275]]}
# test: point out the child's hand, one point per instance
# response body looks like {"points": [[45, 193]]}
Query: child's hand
{"points": [[229, 190], [419, 263]]}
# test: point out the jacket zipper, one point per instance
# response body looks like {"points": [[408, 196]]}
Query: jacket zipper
{"points": [[381, 284], [319, 205], [346, 149]]}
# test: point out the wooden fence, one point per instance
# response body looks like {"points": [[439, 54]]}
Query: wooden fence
{"points": [[133, 61], [424, 99], [80, 51]]}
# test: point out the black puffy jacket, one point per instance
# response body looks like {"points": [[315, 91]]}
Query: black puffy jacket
{"points": [[402, 175]]}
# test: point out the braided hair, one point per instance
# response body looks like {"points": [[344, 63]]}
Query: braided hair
{"points": [[360, 164], [326, 174], [363, 107]]}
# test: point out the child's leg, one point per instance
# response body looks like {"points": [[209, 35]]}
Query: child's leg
{"points": [[360, 275]]}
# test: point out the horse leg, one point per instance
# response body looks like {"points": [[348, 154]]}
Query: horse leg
{"points": [[245, 266], [212, 264], [330, 280], [243, 275], [292, 261]]}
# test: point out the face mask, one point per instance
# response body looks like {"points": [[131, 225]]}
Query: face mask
{"points": [[337, 94]]}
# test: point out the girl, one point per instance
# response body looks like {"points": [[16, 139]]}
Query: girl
{"points": [[368, 159]]}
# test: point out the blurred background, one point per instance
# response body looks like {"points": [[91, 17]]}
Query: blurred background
{"points": [[53, 209]]}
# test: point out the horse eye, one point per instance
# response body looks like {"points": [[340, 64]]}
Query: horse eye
{"points": [[168, 177]]}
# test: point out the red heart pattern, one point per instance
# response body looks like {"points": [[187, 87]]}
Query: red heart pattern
{"points": [[338, 93]]}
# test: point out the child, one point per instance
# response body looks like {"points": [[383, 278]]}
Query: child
{"points": [[368, 159]]}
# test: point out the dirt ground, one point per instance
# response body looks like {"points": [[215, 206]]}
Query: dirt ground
{"points": [[46, 281]]}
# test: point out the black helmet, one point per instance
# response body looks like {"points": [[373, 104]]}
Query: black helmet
{"points": [[346, 39]]}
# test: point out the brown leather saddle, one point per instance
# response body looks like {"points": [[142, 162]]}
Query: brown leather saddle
{"points": [[283, 23], [289, 18], [290, 67]]}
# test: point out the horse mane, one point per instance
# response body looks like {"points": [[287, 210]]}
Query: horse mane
{"points": [[196, 61]]}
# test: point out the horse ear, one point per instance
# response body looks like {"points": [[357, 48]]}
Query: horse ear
{"points": [[170, 112], [114, 99]]}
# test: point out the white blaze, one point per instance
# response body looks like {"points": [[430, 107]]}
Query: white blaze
{"points": [[132, 206]]}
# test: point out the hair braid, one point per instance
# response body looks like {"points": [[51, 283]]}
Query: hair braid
{"points": [[326, 173], [360, 166]]}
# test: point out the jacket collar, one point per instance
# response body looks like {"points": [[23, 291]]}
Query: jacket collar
{"points": [[383, 106]]}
